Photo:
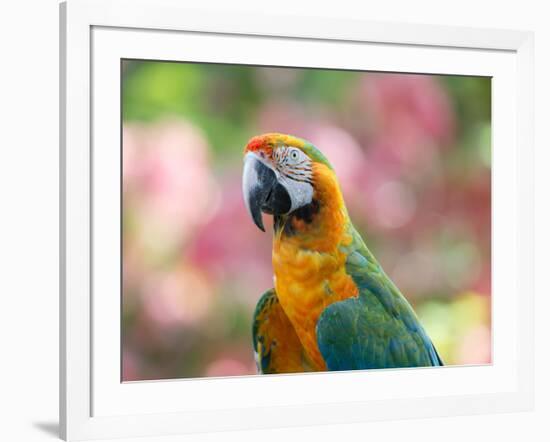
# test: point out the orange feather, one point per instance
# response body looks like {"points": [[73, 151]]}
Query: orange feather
{"points": [[309, 265]]}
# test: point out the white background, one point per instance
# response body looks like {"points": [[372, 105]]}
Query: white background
{"points": [[29, 204]]}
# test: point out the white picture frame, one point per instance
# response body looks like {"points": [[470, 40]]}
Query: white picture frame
{"points": [[95, 35]]}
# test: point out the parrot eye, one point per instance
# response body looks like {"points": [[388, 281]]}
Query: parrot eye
{"points": [[294, 155]]}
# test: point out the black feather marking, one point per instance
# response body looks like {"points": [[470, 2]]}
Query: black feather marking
{"points": [[305, 213]]}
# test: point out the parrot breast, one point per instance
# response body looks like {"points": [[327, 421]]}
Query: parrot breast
{"points": [[309, 264]]}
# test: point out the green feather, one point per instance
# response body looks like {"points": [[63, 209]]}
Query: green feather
{"points": [[379, 328]]}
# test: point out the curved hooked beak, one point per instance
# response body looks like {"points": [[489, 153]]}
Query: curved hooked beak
{"points": [[262, 191]]}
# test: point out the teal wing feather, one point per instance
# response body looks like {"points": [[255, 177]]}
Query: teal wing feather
{"points": [[277, 347], [262, 352], [377, 329]]}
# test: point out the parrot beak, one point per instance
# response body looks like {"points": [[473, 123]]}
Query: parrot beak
{"points": [[262, 191]]}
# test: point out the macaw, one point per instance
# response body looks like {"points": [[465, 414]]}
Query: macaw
{"points": [[332, 307]]}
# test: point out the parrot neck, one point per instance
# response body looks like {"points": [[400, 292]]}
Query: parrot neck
{"points": [[322, 225], [308, 261]]}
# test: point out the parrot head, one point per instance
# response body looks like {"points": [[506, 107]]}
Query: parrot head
{"points": [[279, 175]]}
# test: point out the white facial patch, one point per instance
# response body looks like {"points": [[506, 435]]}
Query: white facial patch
{"points": [[301, 192], [295, 174]]}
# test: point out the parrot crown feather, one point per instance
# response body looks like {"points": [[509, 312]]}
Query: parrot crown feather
{"points": [[267, 142]]}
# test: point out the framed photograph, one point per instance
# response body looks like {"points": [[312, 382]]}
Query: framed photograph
{"points": [[320, 220]]}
